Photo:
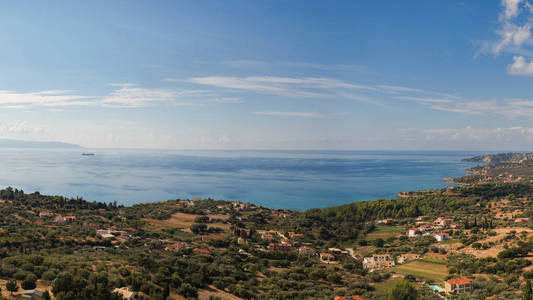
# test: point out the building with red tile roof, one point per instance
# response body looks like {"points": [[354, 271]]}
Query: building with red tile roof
{"points": [[201, 251], [458, 285], [326, 257], [306, 251]]}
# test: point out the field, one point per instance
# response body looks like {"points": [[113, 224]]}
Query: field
{"points": [[385, 232], [383, 287], [184, 221], [432, 269], [449, 242]]}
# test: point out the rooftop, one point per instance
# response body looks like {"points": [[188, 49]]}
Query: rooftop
{"points": [[462, 280]]}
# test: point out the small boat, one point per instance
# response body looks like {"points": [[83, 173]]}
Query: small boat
{"points": [[87, 154]]}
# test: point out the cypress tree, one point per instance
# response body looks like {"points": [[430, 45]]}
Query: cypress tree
{"points": [[528, 293]]}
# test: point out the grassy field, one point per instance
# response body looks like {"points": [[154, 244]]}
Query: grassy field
{"points": [[382, 288], [432, 269], [433, 261], [449, 242], [385, 231]]}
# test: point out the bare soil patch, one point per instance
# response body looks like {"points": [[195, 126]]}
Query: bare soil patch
{"points": [[493, 251], [213, 291]]}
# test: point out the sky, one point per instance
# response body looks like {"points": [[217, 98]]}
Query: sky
{"points": [[347, 75]]}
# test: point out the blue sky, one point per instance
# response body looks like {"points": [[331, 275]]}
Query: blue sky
{"points": [[269, 74]]}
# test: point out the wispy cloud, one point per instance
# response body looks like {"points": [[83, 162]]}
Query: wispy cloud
{"points": [[42, 98], [275, 83], [129, 95], [510, 108], [258, 64], [425, 99], [292, 87], [232, 100], [320, 88], [288, 114]]}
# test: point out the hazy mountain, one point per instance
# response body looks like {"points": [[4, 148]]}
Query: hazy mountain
{"points": [[7, 143]]}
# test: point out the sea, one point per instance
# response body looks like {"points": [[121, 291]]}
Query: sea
{"points": [[277, 179]]}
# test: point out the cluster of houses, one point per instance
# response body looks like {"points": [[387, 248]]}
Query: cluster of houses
{"points": [[176, 247], [113, 233], [58, 218], [237, 205], [386, 221], [384, 261], [270, 235], [440, 229], [180, 246], [286, 245], [280, 213], [64, 219]]}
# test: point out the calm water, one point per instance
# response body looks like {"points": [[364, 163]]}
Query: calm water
{"points": [[278, 179]]}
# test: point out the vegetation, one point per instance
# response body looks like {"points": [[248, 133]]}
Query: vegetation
{"points": [[74, 249]]}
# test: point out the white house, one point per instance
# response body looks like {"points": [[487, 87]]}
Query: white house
{"points": [[441, 236]]}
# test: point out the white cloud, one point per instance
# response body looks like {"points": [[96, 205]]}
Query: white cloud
{"points": [[520, 66], [42, 98], [511, 35], [274, 83], [510, 9], [425, 99], [514, 35], [288, 114], [129, 95]]}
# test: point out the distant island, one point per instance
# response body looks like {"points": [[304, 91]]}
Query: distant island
{"points": [[8, 143], [501, 158]]}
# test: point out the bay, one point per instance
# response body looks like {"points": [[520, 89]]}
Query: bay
{"points": [[277, 179]]}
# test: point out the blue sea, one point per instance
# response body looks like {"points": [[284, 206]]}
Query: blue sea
{"points": [[277, 179]]}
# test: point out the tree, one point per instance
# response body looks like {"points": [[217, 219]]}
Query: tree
{"points": [[12, 286], [528, 292], [187, 291], [46, 295], [402, 290], [29, 282], [198, 228], [63, 283]]}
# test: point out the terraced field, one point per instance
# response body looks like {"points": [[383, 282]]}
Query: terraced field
{"points": [[385, 232], [428, 269]]}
